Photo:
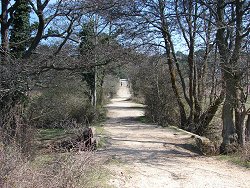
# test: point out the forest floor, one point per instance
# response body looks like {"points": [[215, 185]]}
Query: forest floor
{"points": [[141, 155]]}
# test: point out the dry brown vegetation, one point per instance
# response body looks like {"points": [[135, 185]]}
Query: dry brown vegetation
{"points": [[52, 170]]}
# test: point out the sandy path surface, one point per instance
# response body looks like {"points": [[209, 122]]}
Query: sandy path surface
{"points": [[146, 156]]}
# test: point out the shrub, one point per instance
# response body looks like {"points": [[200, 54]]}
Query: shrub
{"points": [[56, 105], [244, 155], [109, 87], [156, 90], [10, 159], [48, 171]]}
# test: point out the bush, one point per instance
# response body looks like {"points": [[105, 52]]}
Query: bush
{"points": [[56, 105], [10, 159], [156, 90], [109, 87], [244, 155], [48, 171]]}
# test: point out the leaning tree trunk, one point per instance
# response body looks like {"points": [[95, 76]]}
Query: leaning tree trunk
{"points": [[171, 65]]}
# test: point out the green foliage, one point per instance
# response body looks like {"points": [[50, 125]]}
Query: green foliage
{"points": [[87, 36], [86, 48], [236, 160], [89, 77], [52, 134], [101, 113], [63, 102], [34, 26], [20, 31], [143, 119]]}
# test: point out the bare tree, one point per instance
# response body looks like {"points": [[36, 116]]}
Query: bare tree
{"points": [[154, 23], [232, 28]]}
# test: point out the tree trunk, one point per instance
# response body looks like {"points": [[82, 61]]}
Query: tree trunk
{"points": [[208, 115], [228, 132], [247, 131], [239, 117], [171, 64], [4, 30], [100, 89], [240, 127]]}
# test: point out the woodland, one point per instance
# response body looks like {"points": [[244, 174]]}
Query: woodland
{"points": [[187, 61]]}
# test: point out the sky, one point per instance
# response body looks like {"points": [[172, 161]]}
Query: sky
{"points": [[178, 41]]}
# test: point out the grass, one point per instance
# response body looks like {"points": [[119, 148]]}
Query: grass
{"points": [[98, 177], [40, 160], [95, 176], [142, 119], [52, 134], [235, 159], [102, 139], [60, 170]]}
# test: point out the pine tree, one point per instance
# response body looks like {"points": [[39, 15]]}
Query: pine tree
{"points": [[20, 29]]}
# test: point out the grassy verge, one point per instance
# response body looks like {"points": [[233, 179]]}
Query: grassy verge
{"points": [[235, 159], [53, 134], [98, 177], [50, 169], [58, 170], [101, 134]]}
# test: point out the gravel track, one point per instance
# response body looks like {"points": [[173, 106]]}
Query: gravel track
{"points": [[145, 156]]}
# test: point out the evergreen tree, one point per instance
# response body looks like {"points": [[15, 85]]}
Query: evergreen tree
{"points": [[20, 29], [86, 48], [87, 36]]}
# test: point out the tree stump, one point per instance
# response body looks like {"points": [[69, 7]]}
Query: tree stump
{"points": [[88, 139]]}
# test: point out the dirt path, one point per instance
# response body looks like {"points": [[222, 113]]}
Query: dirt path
{"points": [[142, 155]]}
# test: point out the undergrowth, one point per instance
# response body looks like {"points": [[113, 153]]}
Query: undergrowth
{"points": [[66, 170], [241, 157]]}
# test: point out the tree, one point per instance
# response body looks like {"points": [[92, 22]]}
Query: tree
{"points": [[6, 18], [20, 29], [87, 46], [232, 28], [154, 23], [14, 72], [102, 52], [206, 27]]}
